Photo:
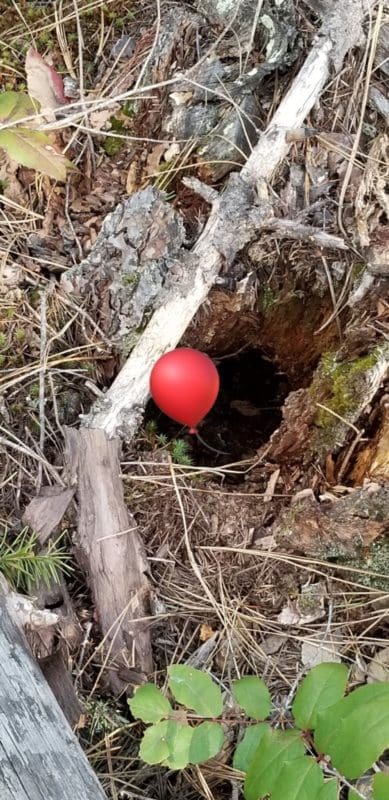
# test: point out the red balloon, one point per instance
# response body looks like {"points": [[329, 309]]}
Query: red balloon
{"points": [[184, 384]]}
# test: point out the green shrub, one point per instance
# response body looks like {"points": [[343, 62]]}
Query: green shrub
{"points": [[331, 739]]}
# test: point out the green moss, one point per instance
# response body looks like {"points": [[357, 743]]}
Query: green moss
{"points": [[20, 335], [111, 144], [3, 340], [358, 270], [345, 381], [377, 560], [132, 279], [269, 299]]}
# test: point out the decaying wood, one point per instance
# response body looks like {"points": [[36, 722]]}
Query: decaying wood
{"points": [[334, 528], [39, 755], [116, 563], [111, 551], [61, 684], [45, 512], [232, 223]]}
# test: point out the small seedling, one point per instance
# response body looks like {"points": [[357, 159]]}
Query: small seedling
{"points": [[324, 747]]}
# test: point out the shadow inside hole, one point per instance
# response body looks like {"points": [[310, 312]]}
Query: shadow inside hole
{"points": [[247, 410]]}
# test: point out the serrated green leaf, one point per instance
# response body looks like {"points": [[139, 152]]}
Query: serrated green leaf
{"points": [[207, 741], [179, 737], [299, 779], [330, 791], [149, 704], [154, 746], [247, 748], [196, 690], [34, 149], [275, 748], [14, 106], [355, 732], [253, 696], [324, 685], [381, 786]]}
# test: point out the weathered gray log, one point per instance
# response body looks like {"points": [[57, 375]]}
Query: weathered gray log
{"points": [[40, 757]]}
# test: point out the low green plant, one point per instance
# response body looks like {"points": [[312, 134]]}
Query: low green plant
{"points": [[29, 147], [330, 739], [23, 566]]}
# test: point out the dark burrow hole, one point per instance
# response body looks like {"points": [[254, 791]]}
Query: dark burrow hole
{"points": [[247, 411]]}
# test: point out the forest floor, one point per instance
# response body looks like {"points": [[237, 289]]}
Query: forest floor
{"points": [[287, 530]]}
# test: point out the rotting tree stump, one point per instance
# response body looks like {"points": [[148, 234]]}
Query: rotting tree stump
{"points": [[40, 757]]}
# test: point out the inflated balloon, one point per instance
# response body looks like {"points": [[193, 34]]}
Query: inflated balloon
{"points": [[184, 384]]}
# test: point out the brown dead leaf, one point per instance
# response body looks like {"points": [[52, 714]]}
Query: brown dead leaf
{"points": [[154, 158], [378, 669], [307, 607], [206, 633], [322, 647], [132, 182]]}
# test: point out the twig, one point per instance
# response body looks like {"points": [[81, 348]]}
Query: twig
{"points": [[42, 376], [332, 293], [365, 97], [253, 31], [293, 229]]}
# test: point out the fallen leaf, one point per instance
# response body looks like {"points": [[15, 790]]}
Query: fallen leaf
{"points": [[33, 149], [44, 83], [378, 669], [307, 607], [14, 106], [154, 159], [132, 182], [324, 650], [206, 633]]}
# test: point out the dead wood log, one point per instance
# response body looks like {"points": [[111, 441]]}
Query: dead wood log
{"points": [[39, 755], [116, 564]]}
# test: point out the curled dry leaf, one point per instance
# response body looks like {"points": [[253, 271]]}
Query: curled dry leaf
{"points": [[44, 83]]}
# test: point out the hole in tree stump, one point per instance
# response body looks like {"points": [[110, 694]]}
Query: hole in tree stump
{"points": [[247, 411]]}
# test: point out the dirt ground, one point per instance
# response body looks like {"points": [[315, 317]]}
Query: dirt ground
{"points": [[296, 504]]}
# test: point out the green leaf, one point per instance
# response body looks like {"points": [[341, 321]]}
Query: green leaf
{"points": [[14, 106], [322, 687], [196, 690], [207, 741], [253, 696], [381, 786], [300, 779], [167, 743], [179, 737], [34, 149], [275, 748], [149, 704], [246, 749], [355, 732], [154, 746], [330, 791], [327, 720]]}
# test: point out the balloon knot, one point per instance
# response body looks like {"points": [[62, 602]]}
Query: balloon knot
{"points": [[193, 431]]}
